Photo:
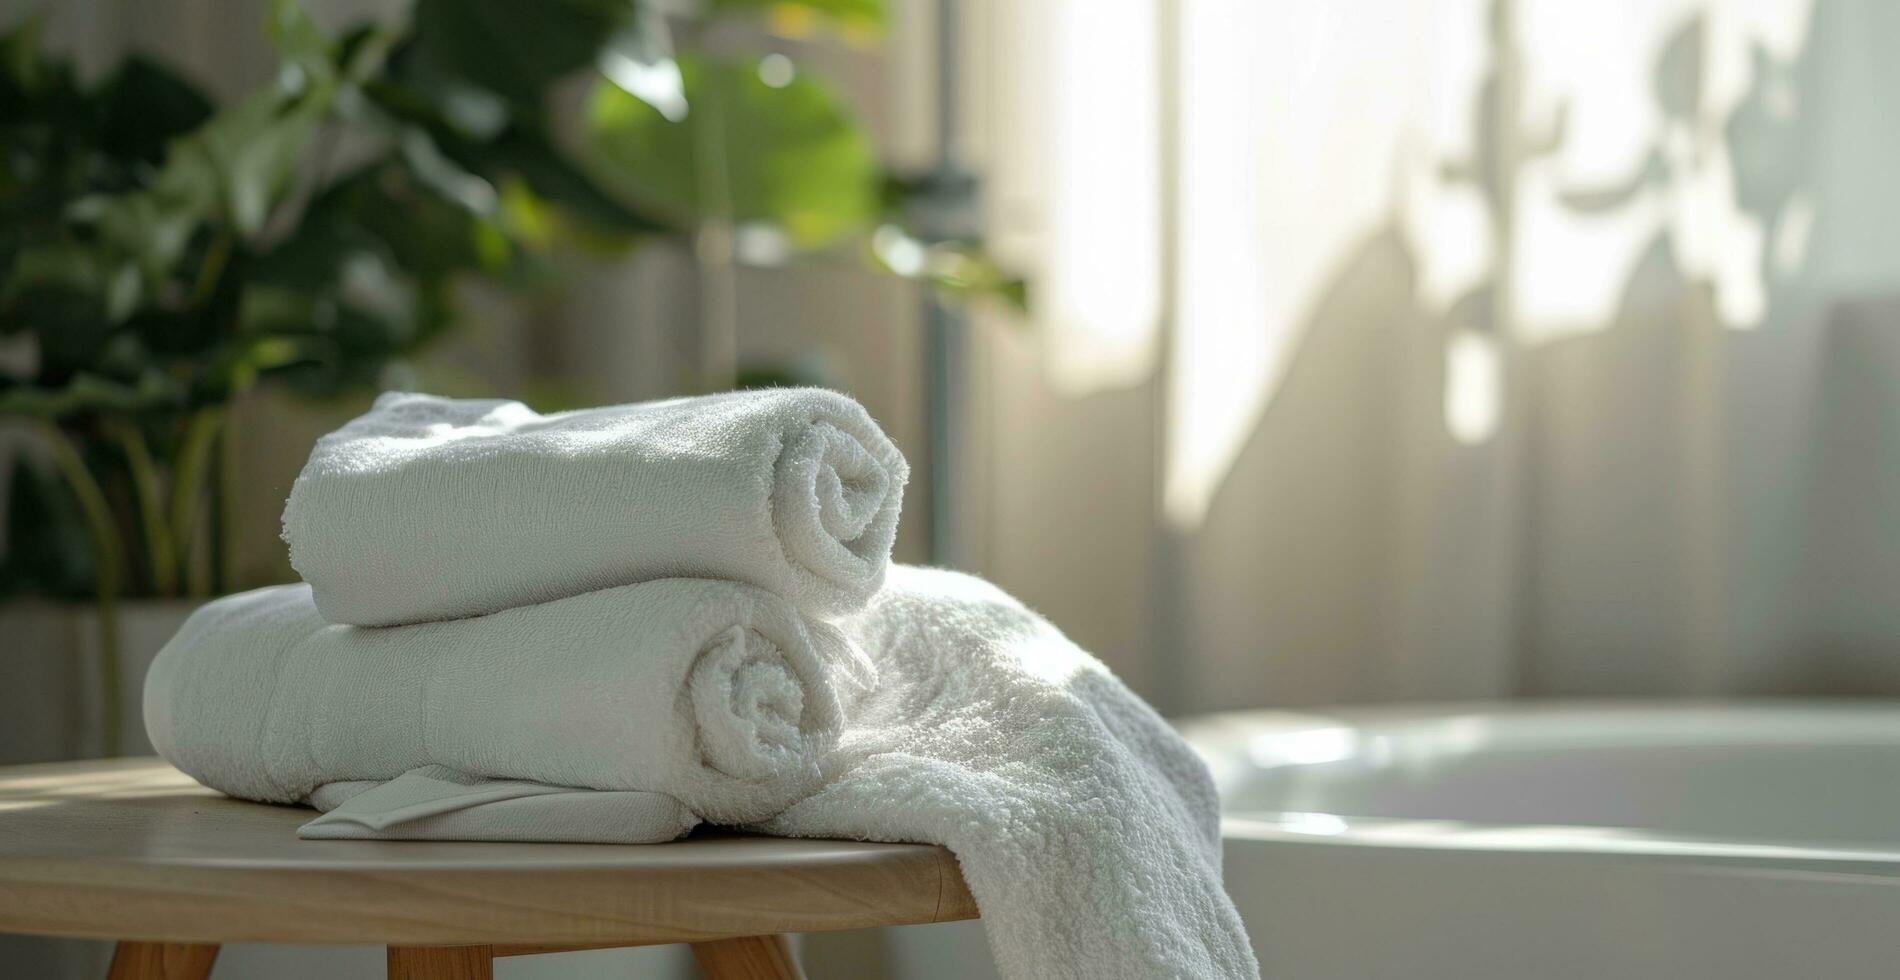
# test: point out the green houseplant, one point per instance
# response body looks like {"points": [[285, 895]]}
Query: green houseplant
{"points": [[160, 256]]}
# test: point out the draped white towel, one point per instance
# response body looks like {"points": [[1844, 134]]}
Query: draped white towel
{"points": [[1088, 830], [717, 694], [431, 508]]}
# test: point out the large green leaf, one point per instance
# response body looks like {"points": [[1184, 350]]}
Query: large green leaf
{"points": [[549, 174], [850, 12], [514, 48], [505, 143], [786, 154], [245, 155], [146, 106], [299, 41], [389, 210]]}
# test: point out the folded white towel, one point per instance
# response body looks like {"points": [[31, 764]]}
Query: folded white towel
{"points": [[1087, 829], [439, 803], [431, 508], [717, 694]]}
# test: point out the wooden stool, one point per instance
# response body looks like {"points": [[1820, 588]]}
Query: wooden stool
{"points": [[132, 850]]}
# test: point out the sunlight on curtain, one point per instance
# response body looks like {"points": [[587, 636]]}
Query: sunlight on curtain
{"points": [[1637, 99], [1512, 346], [1101, 292], [1474, 387], [1076, 183], [1531, 154], [1291, 121]]}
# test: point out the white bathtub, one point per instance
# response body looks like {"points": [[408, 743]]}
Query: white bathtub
{"points": [[1686, 841]]}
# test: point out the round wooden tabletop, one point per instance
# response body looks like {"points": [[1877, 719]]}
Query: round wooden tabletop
{"points": [[133, 849]]}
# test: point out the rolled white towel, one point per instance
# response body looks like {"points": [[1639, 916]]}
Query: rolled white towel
{"points": [[432, 508], [717, 694]]}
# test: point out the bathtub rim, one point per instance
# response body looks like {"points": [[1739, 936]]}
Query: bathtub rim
{"points": [[1221, 738]]}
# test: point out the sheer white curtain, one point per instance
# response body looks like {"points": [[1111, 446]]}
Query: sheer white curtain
{"points": [[1069, 117], [1511, 347]]}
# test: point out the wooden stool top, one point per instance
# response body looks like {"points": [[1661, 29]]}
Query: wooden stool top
{"points": [[133, 849]]}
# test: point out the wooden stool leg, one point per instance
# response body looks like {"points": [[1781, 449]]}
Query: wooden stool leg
{"points": [[441, 963], [162, 961], [747, 958]]}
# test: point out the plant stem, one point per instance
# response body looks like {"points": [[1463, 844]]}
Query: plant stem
{"points": [[159, 553], [188, 481], [98, 516], [208, 274]]}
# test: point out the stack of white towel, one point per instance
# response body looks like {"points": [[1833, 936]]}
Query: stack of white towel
{"points": [[610, 625]]}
